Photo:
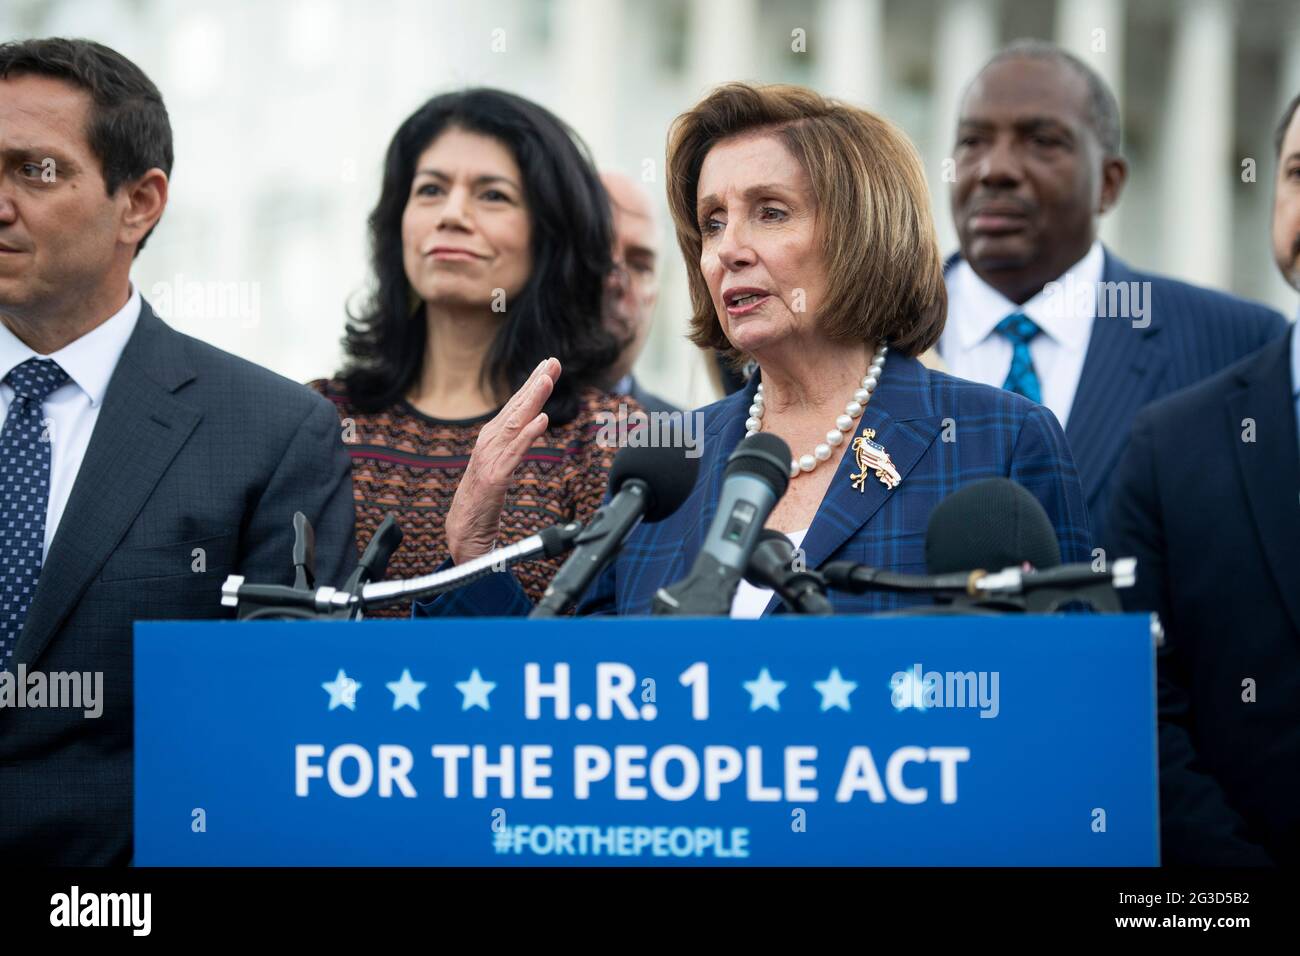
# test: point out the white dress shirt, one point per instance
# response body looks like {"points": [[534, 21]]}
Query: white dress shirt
{"points": [[73, 408], [750, 601], [973, 350]]}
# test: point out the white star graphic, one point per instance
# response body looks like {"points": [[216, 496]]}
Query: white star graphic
{"points": [[406, 692], [763, 692], [476, 691], [907, 692], [343, 690], [835, 690]]}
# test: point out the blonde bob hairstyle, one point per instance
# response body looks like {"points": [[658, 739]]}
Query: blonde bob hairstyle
{"points": [[883, 268]]}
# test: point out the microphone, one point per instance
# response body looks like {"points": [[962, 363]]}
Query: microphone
{"points": [[648, 483], [278, 601], [548, 543], [267, 600], [991, 524], [770, 566], [757, 474], [304, 552], [1011, 588], [994, 523], [374, 560]]}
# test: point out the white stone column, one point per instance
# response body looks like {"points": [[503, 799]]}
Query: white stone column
{"points": [[720, 47], [966, 36], [1197, 168], [1093, 30], [590, 34], [850, 39], [1289, 37], [724, 35], [108, 22]]}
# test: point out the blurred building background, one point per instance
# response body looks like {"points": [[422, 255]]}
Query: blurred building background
{"points": [[282, 110]]}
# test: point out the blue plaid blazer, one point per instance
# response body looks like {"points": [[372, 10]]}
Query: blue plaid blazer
{"points": [[941, 432]]}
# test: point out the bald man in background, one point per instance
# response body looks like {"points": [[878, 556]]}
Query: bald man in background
{"points": [[1036, 303], [634, 285]]}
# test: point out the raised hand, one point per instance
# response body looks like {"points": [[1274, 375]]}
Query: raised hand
{"points": [[475, 514]]}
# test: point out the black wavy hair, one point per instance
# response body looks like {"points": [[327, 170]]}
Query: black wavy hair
{"points": [[559, 310]]}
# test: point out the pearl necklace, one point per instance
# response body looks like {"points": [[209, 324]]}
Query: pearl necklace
{"points": [[844, 423]]}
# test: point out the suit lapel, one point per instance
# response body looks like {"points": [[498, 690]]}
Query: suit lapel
{"points": [[901, 414], [1116, 381], [1270, 465], [140, 428]]}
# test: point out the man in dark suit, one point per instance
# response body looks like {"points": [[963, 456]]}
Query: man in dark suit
{"points": [[1207, 498], [1036, 304], [634, 286], [138, 466]]}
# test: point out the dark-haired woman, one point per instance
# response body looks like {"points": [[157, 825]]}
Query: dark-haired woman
{"points": [[491, 250]]}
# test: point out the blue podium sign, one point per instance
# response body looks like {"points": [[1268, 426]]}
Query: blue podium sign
{"points": [[783, 741]]}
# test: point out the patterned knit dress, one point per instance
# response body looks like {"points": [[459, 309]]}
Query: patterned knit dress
{"points": [[407, 464]]}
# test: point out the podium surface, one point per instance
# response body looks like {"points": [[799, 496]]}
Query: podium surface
{"points": [[905, 741]]}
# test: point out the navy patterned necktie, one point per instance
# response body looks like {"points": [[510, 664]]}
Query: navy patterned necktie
{"points": [[1019, 329], [24, 495]]}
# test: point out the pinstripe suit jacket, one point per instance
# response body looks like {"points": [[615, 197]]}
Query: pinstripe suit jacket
{"points": [[193, 449], [942, 432], [1192, 334]]}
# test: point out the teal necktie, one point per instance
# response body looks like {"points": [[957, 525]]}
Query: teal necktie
{"points": [[1019, 329]]}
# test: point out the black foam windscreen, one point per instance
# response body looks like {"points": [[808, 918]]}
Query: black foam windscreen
{"points": [[669, 472], [770, 556], [766, 457], [990, 524]]}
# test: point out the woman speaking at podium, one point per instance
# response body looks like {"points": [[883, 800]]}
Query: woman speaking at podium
{"points": [[810, 249]]}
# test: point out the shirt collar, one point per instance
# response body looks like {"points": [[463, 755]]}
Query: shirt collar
{"points": [[1064, 312], [88, 360], [623, 386]]}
